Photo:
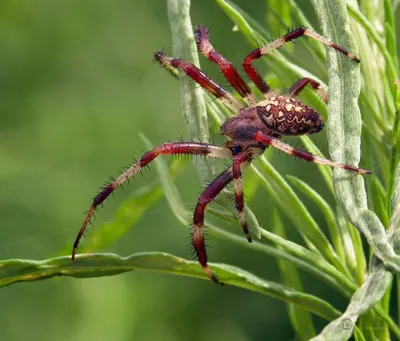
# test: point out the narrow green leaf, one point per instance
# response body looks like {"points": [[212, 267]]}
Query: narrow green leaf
{"points": [[301, 320], [358, 335], [372, 32], [394, 155], [170, 191], [377, 283], [379, 200], [390, 30], [96, 265], [294, 209], [325, 209], [257, 36], [368, 295], [318, 265], [344, 130], [317, 50], [352, 247], [394, 226], [325, 171], [251, 219], [193, 105]]}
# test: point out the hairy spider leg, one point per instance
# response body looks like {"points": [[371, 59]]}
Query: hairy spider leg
{"points": [[276, 143], [297, 33], [226, 67], [239, 160], [176, 148], [201, 78], [302, 83], [208, 195]]}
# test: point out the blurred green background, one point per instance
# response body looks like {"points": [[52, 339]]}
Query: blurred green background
{"points": [[77, 85]]}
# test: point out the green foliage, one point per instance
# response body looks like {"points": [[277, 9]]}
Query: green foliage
{"points": [[353, 207]]}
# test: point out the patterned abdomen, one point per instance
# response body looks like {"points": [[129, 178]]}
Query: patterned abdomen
{"points": [[287, 116]]}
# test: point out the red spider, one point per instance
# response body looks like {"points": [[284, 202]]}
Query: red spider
{"points": [[251, 130]]}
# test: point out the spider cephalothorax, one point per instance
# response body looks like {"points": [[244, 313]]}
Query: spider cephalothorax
{"points": [[251, 130]]}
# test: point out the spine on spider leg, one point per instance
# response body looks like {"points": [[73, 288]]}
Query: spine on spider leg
{"points": [[193, 148], [276, 143], [107, 190], [208, 195], [252, 72], [200, 78], [227, 68], [239, 198], [303, 31]]}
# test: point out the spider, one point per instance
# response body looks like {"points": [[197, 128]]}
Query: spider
{"points": [[251, 130]]}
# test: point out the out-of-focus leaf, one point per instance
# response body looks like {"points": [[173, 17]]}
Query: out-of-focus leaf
{"points": [[326, 210], [301, 319]]}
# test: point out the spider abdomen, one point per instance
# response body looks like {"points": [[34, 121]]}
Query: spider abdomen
{"points": [[288, 116]]}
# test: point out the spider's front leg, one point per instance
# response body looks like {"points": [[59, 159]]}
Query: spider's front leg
{"points": [[226, 67], [200, 78], [276, 143], [255, 76], [302, 83], [192, 148]]}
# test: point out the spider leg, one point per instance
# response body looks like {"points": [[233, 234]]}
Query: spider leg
{"points": [[226, 67], [238, 161], [201, 78], [302, 83], [276, 143], [208, 195], [253, 74], [297, 33], [192, 148]]}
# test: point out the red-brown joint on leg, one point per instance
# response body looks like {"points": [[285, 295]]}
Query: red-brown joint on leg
{"points": [[200, 78], [276, 143], [208, 195], [300, 32], [302, 83], [253, 74], [229, 71], [176, 148], [297, 33]]}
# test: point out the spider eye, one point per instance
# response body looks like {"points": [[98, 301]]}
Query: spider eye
{"points": [[236, 150]]}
